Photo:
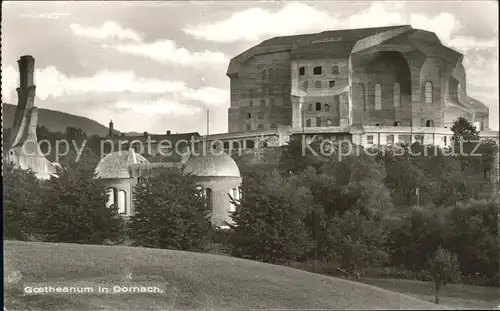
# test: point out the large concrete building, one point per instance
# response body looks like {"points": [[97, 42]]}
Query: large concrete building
{"points": [[387, 76]]}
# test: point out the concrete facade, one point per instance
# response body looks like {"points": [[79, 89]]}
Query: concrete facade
{"points": [[24, 150], [388, 76]]}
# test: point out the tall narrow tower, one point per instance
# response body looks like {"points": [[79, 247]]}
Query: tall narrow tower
{"points": [[111, 130], [25, 151]]}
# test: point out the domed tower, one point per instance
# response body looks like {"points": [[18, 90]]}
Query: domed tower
{"points": [[113, 171], [220, 178]]}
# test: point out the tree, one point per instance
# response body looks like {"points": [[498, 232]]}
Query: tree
{"points": [[472, 233], [465, 138], [356, 241], [296, 156], [74, 210], [21, 197], [170, 212], [269, 220], [442, 266]]}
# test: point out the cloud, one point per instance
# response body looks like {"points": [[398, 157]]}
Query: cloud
{"points": [[209, 95], [53, 84], [296, 18], [167, 52], [53, 15], [163, 106], [109, 30], [255, 23]]}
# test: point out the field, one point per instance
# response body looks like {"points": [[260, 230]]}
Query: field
{"points": [[186, 280], [452, 295]]}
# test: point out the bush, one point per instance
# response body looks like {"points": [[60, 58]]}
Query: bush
{"points": [[170, 212], [74, 210], [21, 197], [472, 233], [269, 220]]}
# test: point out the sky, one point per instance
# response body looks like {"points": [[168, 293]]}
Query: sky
{"points": [[158, 66]]}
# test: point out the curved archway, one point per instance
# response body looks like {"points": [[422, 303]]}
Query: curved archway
{"points": [[122, 202], [429, 123], [250, 144], [397, 123]]}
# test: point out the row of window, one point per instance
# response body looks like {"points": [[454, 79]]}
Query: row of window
{"points": [[318, 70], [428, 123], [318, 84], [269, 74], [260, 126], [320, 107], [320, 123], [405, 139], [397, 95], [262, 103]]}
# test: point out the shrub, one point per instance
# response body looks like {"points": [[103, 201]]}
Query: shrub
{"points": [[170, 212], [21, 197], [74, 210]]}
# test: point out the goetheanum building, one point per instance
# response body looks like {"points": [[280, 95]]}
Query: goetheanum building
{"points": [[387, 77], [217, 174]]}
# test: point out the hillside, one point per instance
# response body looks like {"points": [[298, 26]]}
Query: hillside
{"points": [[57, 121], [187, 281]]}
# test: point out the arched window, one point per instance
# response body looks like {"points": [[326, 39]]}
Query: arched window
{"points": [[327, 107], [310, 107], [397, 95], [397, 123], [428, 92], [308, 123], [201, 192], [122, 202], [240, 193], [378, 97], [234, 196], [208, 197], [429, 123], [112, 197]]}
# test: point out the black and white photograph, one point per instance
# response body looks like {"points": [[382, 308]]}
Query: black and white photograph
{"points": [[250, 155]]}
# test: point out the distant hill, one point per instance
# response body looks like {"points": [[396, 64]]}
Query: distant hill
{"points": [[57, 121]]}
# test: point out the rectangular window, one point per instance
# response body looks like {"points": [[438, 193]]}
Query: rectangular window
{"points": [[308, 123], [335, 70], [317, 84], [271, 102], [318, 121], [369, 139], [261, 126], [378, 97], [262, 102], [318, 106], [249, 126], [397, 95], [390, 139], [260, 115], [305, 84], [302, 71], [273, 126], [331, 83], [317, 70]]}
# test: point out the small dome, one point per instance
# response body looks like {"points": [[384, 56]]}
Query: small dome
{"points": [[212, 165], [115, 164]]}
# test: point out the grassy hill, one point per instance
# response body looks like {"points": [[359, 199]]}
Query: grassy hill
{"points": [[57, 121], [187, 281]]}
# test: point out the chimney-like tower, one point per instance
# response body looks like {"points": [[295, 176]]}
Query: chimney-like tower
{"points": [[26, 71], [111, 128]]}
